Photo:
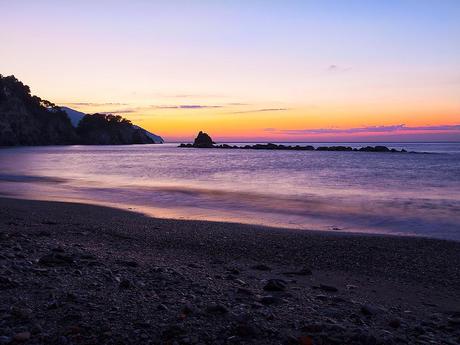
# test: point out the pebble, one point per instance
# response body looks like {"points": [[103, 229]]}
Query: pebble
{"points": [[56, 259], [275, 285], [244, 291], [246, 330], [5, 340], [395, 323], [328, 288], [125, 284], [128, 263], [369, 310], [454, 321], [269, 300], [161, 306], [21, 337], [261, 267], [216, 309], [303, 272]]}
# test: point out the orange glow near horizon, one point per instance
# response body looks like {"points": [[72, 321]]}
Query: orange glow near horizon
{"points": [[243, 123]]}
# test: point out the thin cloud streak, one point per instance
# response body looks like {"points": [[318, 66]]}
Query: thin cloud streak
{"points": [[121, 111], [337, 68], [186, 106], [92, 104], [259, 110], [369, 129]]}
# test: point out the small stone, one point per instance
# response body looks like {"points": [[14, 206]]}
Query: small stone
{"points": [[303, 272], [21, 313], [233, 270], [244, 291], [5, 340], [216, 309], [454, 321], [269, 300], [261, 267], [62, 340], [21, 337], [161, 306], [125, 284], [313, 327], [246, 330], [187, 309], [126, 263], [369, 310], [328, 288], [395, 323], [56, 259], [241, 282], [322, 297], [7, 283], [275, 285]]}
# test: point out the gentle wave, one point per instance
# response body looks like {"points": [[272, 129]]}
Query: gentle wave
{"points": [[31, 179], [366, 192]]}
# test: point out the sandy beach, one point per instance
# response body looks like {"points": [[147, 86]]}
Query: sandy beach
{"points": [[79, 274]]}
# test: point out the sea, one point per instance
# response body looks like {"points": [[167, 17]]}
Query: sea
{"points": [[415, 194]]}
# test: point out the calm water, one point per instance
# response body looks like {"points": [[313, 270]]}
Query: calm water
{"points": [[417, 194]]}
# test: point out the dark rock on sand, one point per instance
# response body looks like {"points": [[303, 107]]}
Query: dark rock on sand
{"points": [[7, 283], [246, 330], [303, 272], [369, 310], [454, 321], [395, 323], [269, 300], [127, 263], [56, 258], [328, 288], [21, 337], [261, 267], [126, 284], [4, 340], [216, 309], [244, 291], [275, 285]]}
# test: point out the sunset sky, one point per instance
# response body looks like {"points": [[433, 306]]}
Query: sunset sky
{"points": [[246, 70]]}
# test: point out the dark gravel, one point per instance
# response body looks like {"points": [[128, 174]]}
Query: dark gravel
{"points": [[78, 274]]}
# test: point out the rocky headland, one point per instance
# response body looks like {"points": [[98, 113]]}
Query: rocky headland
{"points": [[29, 120]]}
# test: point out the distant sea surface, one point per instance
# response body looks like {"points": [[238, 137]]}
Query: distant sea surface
{"points": [[388, 193]]}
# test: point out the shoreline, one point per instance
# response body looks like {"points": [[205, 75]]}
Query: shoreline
{"points": [[136, 279]]}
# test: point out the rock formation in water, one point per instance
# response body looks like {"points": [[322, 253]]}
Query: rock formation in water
{"points": [[203, 140], [30, 120]]}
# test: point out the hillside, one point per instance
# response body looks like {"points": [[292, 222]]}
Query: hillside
{"points": [[29, 120], [26, 120]]}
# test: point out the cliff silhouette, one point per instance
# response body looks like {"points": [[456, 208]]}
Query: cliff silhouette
{"points": [[26, 119]]}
